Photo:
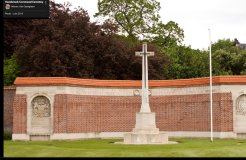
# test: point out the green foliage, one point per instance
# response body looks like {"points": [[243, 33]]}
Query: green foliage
{"points": [[167, 35], [69, 45], [225, 44], [229, 59], [133, 17], [7, 136], [140, 19], [243, 72], [11, 70], [187, 63]]}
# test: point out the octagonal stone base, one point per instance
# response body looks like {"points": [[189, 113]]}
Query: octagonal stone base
{"points": [[145, 131], [138, 138]]}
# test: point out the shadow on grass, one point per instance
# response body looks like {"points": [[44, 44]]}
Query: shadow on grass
{"points": [[111, 142]]}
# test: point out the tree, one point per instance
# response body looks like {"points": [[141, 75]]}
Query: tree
{"points": [[167, 35], [68, 44], [229, 59], [225, 44], [133, 17], [11, 70], [11, 30], [186, 63], [54, 46], [230, 63], [140, 19]]}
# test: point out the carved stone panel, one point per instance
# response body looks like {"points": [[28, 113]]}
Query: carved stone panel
{"points": [[41, 115], [241, 105], [40, 107]]}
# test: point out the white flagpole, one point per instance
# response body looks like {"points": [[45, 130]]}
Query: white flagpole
{"points": [[211, 87]]}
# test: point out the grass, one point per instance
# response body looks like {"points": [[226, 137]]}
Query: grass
{"points": [[187, 147]]}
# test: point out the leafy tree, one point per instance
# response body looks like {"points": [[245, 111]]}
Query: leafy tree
{"points": [[167, 35], [133, 17], [230, 62], [186, 63], [11, 30], [229, 59], [225, 44], [11, 70], [141, 19], [68, 44]]}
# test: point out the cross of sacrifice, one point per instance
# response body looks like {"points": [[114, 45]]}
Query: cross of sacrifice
{"points": [[145, 88]]}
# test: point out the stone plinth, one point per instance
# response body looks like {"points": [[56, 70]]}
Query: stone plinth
{"points": [[145, 131], [39, 137], [145, 120], [140, 138]]}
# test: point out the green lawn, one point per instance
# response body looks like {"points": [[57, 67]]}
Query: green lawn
{"points": [[186, 147]]}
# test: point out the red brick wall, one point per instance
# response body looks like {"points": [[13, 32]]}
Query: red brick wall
{"points": [[226, 116], [9, 93], [76, 113], [19, 114], [192, 112]]}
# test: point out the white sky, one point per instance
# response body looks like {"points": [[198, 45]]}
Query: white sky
{"points": [[225, 18]]}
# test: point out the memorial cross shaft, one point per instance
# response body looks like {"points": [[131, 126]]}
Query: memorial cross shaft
{"points": [[145, 131], [145, 88]]}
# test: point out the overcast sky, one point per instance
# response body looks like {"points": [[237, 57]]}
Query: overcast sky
{"points": [[225, 18]]}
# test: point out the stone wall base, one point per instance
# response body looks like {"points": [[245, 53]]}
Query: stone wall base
{"points": [[120, 135], [241, 135], [39, 137], [20, 137]]}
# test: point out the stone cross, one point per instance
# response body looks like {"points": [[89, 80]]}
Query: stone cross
{"points": [[145, 88]]}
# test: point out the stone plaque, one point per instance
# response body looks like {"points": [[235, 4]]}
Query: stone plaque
{"points": [[41, 115], [40, 107], [136, 92], [241, 105]]}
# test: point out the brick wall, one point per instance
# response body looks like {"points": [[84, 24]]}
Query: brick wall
{"points": [[192, 112], [9, 93], [19, 114], [78, 113]]}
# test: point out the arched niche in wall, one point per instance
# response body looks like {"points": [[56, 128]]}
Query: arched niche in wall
{"points": [[240, 116], [41, 115], [241, 105]]}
